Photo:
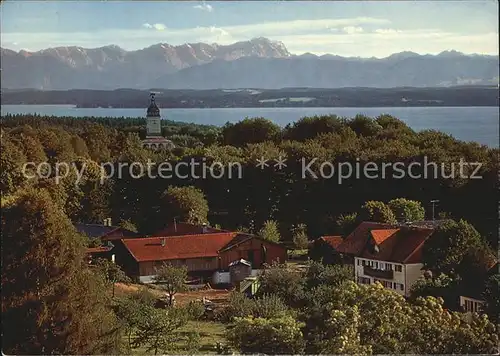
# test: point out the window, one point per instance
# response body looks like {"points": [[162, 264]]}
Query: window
{"points": [[376, 264], [358, 262], [398, 268], [399, 286], [363, 280], [471, 306]]}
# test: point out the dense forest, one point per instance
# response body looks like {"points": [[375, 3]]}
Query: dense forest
{"points": [[287, 97], [58, 303], [262, 193]]}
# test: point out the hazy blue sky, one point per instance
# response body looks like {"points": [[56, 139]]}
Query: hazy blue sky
{"points": [[351, 28]]}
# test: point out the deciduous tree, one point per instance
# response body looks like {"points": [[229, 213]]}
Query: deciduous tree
{"points": [[270, 231], [276, 336], [186, 203], [377, 211], [407, 210], [172, 279], [450, 242]]}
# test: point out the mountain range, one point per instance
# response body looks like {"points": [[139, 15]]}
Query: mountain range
{"points": [[257, 63]]}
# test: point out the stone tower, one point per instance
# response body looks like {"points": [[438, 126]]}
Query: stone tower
{"points": [[153, 119], [154, 139]]}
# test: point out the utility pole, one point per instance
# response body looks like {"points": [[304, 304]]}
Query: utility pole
{"points": [[434, 202]]}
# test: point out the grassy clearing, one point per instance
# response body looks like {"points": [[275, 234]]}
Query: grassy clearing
{"points": [[210, 333]]}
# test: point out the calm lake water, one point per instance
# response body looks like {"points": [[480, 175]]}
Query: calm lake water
{"points": [[480, 124]]}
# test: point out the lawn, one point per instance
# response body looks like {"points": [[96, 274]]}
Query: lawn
{"points": [[210, 334]]}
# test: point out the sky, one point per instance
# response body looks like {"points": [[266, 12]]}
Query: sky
{"points": [[345, 28]]}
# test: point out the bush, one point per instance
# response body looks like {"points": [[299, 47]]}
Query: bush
{"points": [[300, 239], [276, 336], [284, 282], [195, 310], [269, 306], [239, 306]]}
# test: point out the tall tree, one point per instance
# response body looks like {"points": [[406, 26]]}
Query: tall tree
{"points": [[407, 210], [491, 295], [449, 244], [52, 301], [347, 223], [187, 203], [250, 131], [377, 211], [11, 164]]}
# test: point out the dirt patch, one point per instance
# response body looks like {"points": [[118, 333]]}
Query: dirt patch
{"points": [[215, 295], [219, 296], [126, 288]]}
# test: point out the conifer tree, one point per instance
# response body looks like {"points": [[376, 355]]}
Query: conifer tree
{"points": [[53, 302]]}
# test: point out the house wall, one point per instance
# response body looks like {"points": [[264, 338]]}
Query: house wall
{"points": [[148, 268], [397, 283], [251, 251], [413, 273]]}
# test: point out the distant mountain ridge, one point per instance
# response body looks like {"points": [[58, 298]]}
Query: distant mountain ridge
{"points": [[259, 62]]}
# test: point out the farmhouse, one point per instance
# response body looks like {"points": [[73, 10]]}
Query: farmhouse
{"points": [[202, 254], [104, 231], [389, 254], [103, 234]]}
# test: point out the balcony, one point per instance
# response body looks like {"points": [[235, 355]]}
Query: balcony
{"points": [[377, 273]]}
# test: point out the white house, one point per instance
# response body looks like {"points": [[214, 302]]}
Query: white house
{"points": [[388, 254], [471, 299], [471, 305]]}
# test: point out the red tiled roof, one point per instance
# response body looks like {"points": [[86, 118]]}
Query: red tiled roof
{"points": [[380, 236], [333, 241], [180, 229], [356, 241], [177, 247], [403, 245], [98, 249]]}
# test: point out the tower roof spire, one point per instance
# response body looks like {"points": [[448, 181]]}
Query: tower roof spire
{"points": [[153, 109]]}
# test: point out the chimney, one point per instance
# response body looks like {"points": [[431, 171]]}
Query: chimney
{"points": [[163, 240]]}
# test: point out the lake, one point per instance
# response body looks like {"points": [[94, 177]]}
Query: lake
{"points": [[480, 124]]}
